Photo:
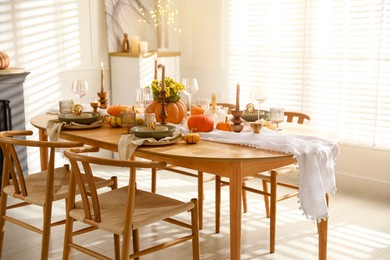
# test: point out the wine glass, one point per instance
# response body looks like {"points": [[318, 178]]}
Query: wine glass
{"points": [[144, 97], [276, 116], [259, 94], [80, 88], [191, 87]]}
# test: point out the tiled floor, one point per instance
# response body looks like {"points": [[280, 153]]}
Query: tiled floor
{"points": [[358, 229]]}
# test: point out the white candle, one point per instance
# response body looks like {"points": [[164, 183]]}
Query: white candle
{"points": [[143, 46], [101, 77], [135, 44]]}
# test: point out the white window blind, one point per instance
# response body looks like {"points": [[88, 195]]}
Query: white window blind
{"points": [[329, 59]]}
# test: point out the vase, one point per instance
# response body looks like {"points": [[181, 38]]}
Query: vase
{"points": [[162, 36]]}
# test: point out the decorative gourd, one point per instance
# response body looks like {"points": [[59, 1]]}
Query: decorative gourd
{"points": [[195, 110], [176, 111], [200, 123], [224, 126], [116, 110], [191, 138], [4, 60]]}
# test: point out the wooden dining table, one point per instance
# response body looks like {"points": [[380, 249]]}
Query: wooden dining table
{"points": [[227, 160]]}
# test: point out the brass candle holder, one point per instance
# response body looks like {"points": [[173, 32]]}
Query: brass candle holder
{"points": [[95, 105], [103, 99], [236, 120]]}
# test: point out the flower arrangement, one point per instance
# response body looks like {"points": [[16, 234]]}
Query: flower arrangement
{"points": [[172, 87]]}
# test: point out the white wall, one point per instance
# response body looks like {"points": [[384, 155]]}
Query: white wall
{"points": [[203, 56], [57, 42]]}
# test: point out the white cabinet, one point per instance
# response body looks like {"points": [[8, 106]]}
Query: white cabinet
{"points": [[132, 71]]}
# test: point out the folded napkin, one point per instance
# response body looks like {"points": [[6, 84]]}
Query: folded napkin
{"points": [[54, 126], [129, 142], [316, 160]]}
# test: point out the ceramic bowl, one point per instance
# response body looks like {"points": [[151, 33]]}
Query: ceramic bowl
{"points": [[159, 132], [85, 118]]}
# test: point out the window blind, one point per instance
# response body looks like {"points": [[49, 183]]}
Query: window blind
{"points": [[329, 59]]}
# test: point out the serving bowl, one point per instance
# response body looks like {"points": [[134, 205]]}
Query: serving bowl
{"points": [[85, 118], [159, 132]]}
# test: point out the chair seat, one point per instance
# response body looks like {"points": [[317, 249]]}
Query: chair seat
{"points": [[149, 208], [36, 185]]}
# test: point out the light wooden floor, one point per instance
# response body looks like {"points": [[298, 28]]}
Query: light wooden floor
{"points": [[358, 229]]}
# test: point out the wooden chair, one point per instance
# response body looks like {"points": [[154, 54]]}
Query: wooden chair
{"points": [[199, 175], [270, 194], [122, 211], [40, 188]]}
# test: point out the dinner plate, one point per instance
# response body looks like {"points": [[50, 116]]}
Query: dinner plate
{"points": [[253, 116], [159, 132], [85, 118]]}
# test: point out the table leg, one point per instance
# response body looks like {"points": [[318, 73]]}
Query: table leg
{"points": [[322, 228], [43, 151], [322, 239], [235, 210]]}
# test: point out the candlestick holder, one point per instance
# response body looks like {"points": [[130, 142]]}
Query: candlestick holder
{"points": [[236, 120], [163, 113], [103, 99]]}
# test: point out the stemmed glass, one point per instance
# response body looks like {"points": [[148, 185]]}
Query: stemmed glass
{"points": [[80, 88], [191, 87], [144, 97], [259, 94], [276, 116]]}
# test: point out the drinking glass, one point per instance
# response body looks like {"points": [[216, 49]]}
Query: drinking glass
{"points": [[144, 97], [128, 120], [259, 94], [80, 88], [191, 87], [276, 116]]}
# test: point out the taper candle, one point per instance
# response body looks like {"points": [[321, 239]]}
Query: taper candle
{"points": [[163, 77], [101, 77], [238, 97], [155, 65], [213, 102]]}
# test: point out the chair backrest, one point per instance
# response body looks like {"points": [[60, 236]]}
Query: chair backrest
{"points": [[296, 116], [12, 168], [229, 106], [86, 185]]}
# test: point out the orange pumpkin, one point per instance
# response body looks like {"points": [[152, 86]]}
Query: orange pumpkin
{"points": [[224, 126], [195, 110], [175, 111], [200, 123], [4, 60], [116, 110]]}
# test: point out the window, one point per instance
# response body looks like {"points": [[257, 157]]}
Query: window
{"points": [[329, 59]]}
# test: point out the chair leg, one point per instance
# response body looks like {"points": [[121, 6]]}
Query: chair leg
{"points": [[136, 242], [244, 198], [200, 198], [217, 203], [67, 237], [154, 180], [266, 198], [273, 211], [3, 210], [46, 229], [195, 231]]}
